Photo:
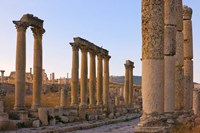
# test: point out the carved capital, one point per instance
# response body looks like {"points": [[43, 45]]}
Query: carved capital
{"points": [[38, 32], [107, 57], [75, 46], [187, 13], [21, 26]]}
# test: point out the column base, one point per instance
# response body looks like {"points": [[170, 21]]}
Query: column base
{"points": [[17, 108]]}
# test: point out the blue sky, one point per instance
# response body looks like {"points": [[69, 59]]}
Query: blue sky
{"points": [[113, 24]]}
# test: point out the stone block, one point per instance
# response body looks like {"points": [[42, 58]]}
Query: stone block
{"points": [[43, 116], [52, 122], [111, 116], [64, 119], [170, 40], [36, 123]]}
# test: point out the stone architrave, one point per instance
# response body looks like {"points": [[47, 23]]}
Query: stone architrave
{"points": [[37, 68], [20, 65], [126, 84], [92, 81], [99, 80], [84, 77], [179, 59], [106, 80], [169, 52], [75, 74], [152, 56], [188, 56]]}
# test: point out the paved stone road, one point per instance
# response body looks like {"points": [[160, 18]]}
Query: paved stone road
{"points": [[122, 127]]}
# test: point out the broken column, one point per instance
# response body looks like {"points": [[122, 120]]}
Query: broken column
{"points": [[74, 74], [37, 68], [106, 80], [2, 76], [169, 52], [179, 59], [20, 65], [84, 78], [92, 81], [188, 56], [63, 97]]}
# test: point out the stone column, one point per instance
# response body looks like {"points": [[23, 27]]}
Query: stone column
{"points": [[53, 78], [106, 80], [196, 101], [20, 65], [131, 91], [152, 56], [37, 67], [74, 74], [92, 81], [84, 77], [169, 52], [99, 80], [179, 58], [63, 97], [2, 76], [126, 84], [188, 56]]}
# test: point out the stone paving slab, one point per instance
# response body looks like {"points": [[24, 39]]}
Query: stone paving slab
{"points": [[76, 125]]}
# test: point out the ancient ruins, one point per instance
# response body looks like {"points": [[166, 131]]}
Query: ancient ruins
{"points": [[167, 92]]}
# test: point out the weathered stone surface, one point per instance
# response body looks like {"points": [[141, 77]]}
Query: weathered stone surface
{"points": [[179, 15], [179, 49], [170, 40], [170, 12], [43, 116], [196, 101], [187, 13], [64, 119], [36, 123]]}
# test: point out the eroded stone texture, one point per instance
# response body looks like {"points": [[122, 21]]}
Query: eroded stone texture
{"points": [[152, 55], [196, 101], [179, 15], [169, 40]]}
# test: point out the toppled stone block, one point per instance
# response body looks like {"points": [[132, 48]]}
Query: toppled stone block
{"points": [[111, 116], [36, 123], [52, 122], [43, 116], [64, 119]]}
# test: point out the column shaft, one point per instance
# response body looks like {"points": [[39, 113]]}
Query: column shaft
{"points": [[126, 85], [20, 67], [63, 97], [152, 55], [84, 79], [131, 91], [74, 75], [37, 68], [106, 81], [92, 81], [99, 80]]}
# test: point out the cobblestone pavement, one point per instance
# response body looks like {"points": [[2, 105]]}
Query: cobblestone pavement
{"points": [[122, 127]]}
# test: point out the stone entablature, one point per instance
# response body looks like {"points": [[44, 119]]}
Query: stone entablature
{"points": [[32, 20]]}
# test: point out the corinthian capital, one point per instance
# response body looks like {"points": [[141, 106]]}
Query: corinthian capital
{"points": [[38, 32], [21, 26]]}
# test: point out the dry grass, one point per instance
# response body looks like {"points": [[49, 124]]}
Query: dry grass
{"points": [[48, 100]]}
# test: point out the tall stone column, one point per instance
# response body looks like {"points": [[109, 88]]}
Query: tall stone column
{"points": [[53, 78], [92, 81], [106, 80], [152, 56], [84, 78], [131, 90], [169, 52], [74, 74], [179, 58], [99, 80], [188, 56], [126, 84], [2, 76], [37, 67], [20, 65]]}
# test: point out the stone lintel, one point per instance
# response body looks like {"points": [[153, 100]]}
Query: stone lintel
{"points": [[90, 45], [187, 13], [32, 20]]}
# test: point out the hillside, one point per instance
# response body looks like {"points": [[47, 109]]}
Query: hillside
{"points": [[120, 79]]}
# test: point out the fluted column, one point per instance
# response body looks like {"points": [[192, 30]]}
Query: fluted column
{"points": [[84, 78], [99, 80], [188, 56], [126, 84], [169, 52], [74, 74], [37, 67], [20, 65], [179, 59], [152, 56], [106, 80], [131, 91], [92, 81]]}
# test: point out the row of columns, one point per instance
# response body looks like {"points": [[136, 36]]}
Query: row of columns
{"points": [[102, 84], [167, 67], [128, 83], [21, 66]]}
